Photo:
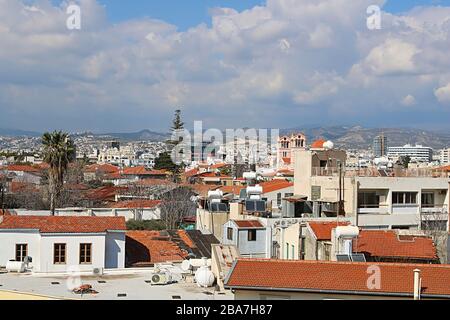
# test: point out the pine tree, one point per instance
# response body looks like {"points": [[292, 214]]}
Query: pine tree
{"points": [[177, 123]]}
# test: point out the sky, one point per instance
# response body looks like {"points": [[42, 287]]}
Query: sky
{"points": [[229, 63]]}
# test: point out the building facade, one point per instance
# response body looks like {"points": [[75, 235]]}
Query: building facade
{"points": [[416, 153]]}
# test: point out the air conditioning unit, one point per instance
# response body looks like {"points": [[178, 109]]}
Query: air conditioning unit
{"points": [[161, 278], [98, 271]]}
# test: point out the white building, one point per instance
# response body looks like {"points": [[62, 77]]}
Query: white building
{"points": [[375, 199], [62, 244], [418, 152], [445, 156]]}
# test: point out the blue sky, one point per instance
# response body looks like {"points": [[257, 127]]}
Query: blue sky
{"points": [[189, 13], [309, 64]]}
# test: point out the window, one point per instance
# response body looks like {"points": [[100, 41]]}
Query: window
{"points": [[21, 252], [230, 233], [368, 200], [287, 250], [428, 200], [279, 199], [292, 252], [85, 253], [404, 197], [251, 235], [59, 253]]}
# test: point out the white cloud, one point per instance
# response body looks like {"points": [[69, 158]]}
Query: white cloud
{"points": [[408, 100], [443, 94], [270, 61]]}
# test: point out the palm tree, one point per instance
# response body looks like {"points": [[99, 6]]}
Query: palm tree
{"points": [[59, 151]]}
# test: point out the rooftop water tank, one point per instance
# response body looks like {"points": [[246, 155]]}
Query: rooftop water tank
{"points": [[347, 232], [204, 276], [328, 145], [15, 266], [249, 175]]}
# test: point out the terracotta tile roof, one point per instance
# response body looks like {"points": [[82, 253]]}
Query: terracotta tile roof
{"points": [[245, 224], [322, 230], [268, 186], [274, 185], [104, 193], [101, 168], [136, 204], [379, 243], [318, 144], [191, 173], [63, 224], [16, 187], [232, 189], [24, 168], [152, 247], [345, 277], [142, 171]]}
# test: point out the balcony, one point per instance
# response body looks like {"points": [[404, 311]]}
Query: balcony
{"points": [[434, 212], [373, 209]]}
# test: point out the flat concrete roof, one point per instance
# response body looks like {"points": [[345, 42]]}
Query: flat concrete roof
{"points": [[110, 287]]}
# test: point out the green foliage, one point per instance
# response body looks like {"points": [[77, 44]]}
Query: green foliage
{"points": [[177, 124], [145, 225], [164, 162]]}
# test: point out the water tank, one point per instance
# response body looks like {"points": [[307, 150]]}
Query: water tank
{"points": [[249, 175], [204, 276], [186, 265], [215, 194], [15, 266], [347, 232], [197, 263], [254, 190], [328, 145]]}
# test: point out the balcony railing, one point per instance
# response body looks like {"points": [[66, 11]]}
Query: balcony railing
{"points": [[373, 209], [374, 172]]}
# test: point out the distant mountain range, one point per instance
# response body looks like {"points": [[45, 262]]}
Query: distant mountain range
{"points": [[357, 137], [348, 137], [18, 133]]}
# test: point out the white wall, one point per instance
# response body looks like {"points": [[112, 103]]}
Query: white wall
{"points": [[115, 250], [8, 241], [72, 252]]}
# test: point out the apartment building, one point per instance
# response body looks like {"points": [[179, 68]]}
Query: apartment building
{"points": [[445, 156], [416, 153], [372, 198]]}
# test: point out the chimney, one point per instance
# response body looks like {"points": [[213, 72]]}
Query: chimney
{"points": [[417, 284]]}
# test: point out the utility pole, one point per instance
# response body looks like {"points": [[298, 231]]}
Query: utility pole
{"points": [[2, 197]]}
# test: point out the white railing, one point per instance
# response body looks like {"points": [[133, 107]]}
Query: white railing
{"points": [[374, 172]]}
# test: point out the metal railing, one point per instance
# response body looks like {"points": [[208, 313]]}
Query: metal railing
{"points": [[374, 172]]}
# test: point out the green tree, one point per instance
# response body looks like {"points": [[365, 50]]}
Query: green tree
{"points": [[58, 152], [177, 123], [164, 162]]}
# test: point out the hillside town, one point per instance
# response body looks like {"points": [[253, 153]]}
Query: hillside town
{"points": [[128, 222]]}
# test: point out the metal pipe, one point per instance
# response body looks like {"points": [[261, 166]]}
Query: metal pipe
{"points": [[417, 284]]}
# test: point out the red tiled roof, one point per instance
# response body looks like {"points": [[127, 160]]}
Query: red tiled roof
{"points": [[191, 173], [102, 168], [134, 204], [140, 171], [379, 243], [248, 224], [16, 187], [345, 277], [274, 185], [63, 224], [152, 247], [20, 167], [318, 144], [268, 186], [104, 193], [322, 230]]}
